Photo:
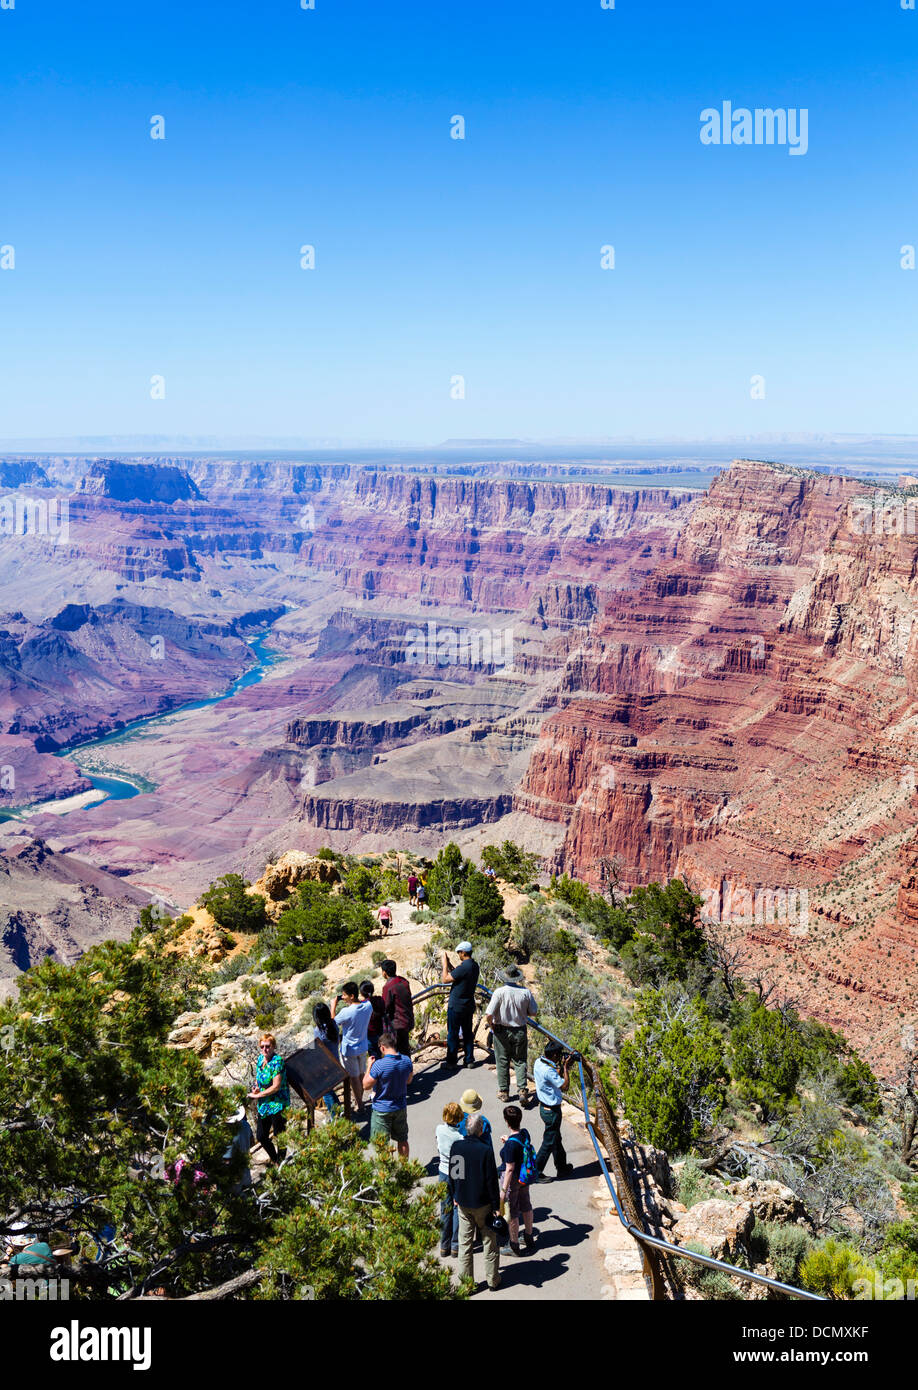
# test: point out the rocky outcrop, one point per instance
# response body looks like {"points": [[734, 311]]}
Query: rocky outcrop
{"points": [[293, 868], [143, 482], [721, 1229]]}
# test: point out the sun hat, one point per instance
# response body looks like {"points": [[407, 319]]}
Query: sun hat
{"points": [[22, 1241], [470, 1101], [237, 1116], [465, 947], [511, 975]]}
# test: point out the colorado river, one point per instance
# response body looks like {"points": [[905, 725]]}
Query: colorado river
{"points": [[121, 787]]}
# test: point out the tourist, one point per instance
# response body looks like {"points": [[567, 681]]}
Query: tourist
{"points": [[271, 1093], [399, 1007], [507, 1011], [513, 1191], [384, 917], [31, 1254], [377, 1024], [239, 1146], [460, 1009], [326, 1032], [470, 1104], [353, 1020], [389, 1078], [447, 1134], [477, 1196], [421, 895], [549, 1084], [412, 889]]}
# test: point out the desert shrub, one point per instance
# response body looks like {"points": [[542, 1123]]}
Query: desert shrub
{"points": [[765, 1055], [422, 914], [534, 929], [446, 877], [483, 906], [710, 1283], [694, 1185], [231, 968], [784, 1246], [389, 887], [317, 925], [378, 957], [571, 891], [232, 907], [329, 854], [673, 1072], [270, 1009], [308, 983], [832, 1269], [510, 862], [360, 883]]}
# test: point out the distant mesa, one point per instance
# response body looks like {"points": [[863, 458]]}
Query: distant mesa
{"points": [[138, 482], [22, 473]]}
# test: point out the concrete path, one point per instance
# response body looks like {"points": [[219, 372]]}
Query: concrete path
{"points": [[566, 1263]]}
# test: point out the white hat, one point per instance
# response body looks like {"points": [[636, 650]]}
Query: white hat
{"points": [[237, 1116], [465, 947]]}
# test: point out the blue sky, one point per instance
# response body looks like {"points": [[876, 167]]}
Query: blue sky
{"points": [[437, 257]]}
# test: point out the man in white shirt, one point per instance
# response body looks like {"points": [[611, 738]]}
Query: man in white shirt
{"points": [[508, 1009]]}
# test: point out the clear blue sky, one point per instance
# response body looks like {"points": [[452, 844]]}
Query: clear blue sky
{"points": [[438, 257]]}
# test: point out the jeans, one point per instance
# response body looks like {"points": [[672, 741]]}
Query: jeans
{"points": [[551, 1140], [449, 1220], [459, 1020], [471, 1221], [510, 1045]]}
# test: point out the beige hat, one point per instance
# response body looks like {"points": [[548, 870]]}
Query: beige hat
{"points": [[470, 1101]]}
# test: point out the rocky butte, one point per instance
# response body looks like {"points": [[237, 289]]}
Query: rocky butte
{"points": [[719, 685]]}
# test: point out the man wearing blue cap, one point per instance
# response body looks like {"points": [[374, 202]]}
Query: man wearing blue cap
{"points": [[463, 978]]}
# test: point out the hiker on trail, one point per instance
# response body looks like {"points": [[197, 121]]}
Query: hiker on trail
{"points": [[272, 1094], [447, 1134], [396, 995], [470, 1104], [421, 895], [327, 1032], [518, 1170], [461, 1007], [353, 1018], [549, 1084], [389, 1078], [240, 1144], [384, 917], [377, 1024], [507, 1011], [412, 889], [477, 1195]]}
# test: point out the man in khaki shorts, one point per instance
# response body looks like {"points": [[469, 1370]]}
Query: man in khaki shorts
{"points": [[353, 1019]]}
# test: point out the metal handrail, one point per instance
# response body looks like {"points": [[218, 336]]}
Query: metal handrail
{"points": [[641, 1236]]}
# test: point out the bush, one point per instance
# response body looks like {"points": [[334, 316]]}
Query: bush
{"points": [[534, 929], [510, 862], [710, 1283], [422, 914], [765, 1056], [785, 1247], [310, 982], [483, 906], [232, 968], [447, 876], [317, 925], [270, 1010], [232, 907], [673, 1072], [379, 956], [694, 1185], [831, 1269], [329, 854], [360, 883]]}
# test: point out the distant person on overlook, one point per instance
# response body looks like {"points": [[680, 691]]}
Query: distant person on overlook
{"points": [[461, 1007], [353, 1020], [389, 1077], [507, 1011], [384, 917], [396, 995], [271, 1093], [412, 889], [549, 1084]]}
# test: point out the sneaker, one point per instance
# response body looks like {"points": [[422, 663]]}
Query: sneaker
{"points": [[503, 1096], [529, 1242], [494, 1287], [444, 1251], [513, 1248], [455, 1252], [525, 1097]]}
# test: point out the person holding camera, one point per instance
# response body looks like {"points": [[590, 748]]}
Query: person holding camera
{"points": [[353, 1020], [550, 1082]]}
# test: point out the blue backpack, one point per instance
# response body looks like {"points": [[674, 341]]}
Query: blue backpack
{"points": [[528, 1169]]}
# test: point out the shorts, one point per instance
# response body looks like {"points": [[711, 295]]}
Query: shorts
{"points": [[519, 1200], [356, 1064], [392, 1123]]}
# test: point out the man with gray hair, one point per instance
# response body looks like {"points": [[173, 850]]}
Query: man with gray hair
{"points": [[476, 1192]]}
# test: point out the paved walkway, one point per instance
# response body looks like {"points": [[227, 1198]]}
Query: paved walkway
{"points": [[566, 1263]]}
